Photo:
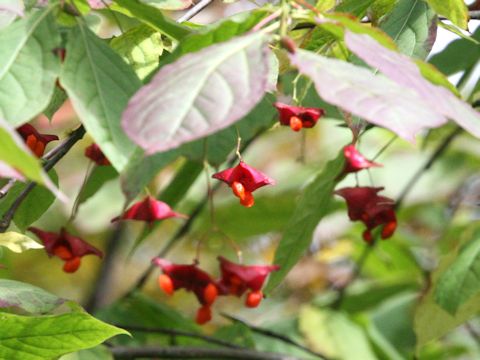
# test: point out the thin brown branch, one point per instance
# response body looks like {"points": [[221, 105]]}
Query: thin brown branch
{"points": [[202, 4], [172, 332], [439, 151], [275, 335], [57, 154], [101, 287], [184, 352]]}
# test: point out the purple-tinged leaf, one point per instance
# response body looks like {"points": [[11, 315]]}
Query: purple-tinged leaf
{"points": [[405, 72], [9, 10], [99, 4], [200, 93], [373, 97]]}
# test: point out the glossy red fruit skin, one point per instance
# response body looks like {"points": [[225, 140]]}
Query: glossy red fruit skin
{"points": [[253, 299], [72, 265], [296, 124], [204, 315], [62, 252], [166, 284], [210, 294]]}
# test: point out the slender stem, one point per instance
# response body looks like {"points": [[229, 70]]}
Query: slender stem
{"points": [[202, 4], [266, 20], [439, 151], [102, 285], [184, 352], [275, 335], [341, 291], [385, 147], [76, 203], [172, 332], [57, 154], [7, 187], [285, 8]]}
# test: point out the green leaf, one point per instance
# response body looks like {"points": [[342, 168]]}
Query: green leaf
{"points": [[99, 84], [340, 22], [34, 205], [141, 310], [57, 100], [431, 321], [393, 317], [28, 66], [100, 176], [141, 47], [47, 337], [96, 353], [29, 298], [461, 281], [17, 242], [152, 17], [142, 168], [218, 32], [355, 7], [454, 10], [412, 25], [334, 334], [312, 206], [458, 56], [238, 334], [169, 4]]}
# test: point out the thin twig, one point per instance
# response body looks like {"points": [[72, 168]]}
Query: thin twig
{"points": [[101, 288], [59, 152], [441, 148], [172, 332], [184, 352], [274, 335], [341, 291], [7, 187], [202, 4]]}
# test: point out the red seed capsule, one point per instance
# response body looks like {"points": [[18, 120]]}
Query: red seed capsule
{"points": [[72, 265], [296, 123], [210, 294], [389, 229], [238, 190], [204, 315], [253, 299], [166, 284], [248, 200], [62, 252]]}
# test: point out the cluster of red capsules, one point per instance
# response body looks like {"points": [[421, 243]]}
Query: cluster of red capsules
{"points": [[236, 280], [364, 204], [62, 244]]}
